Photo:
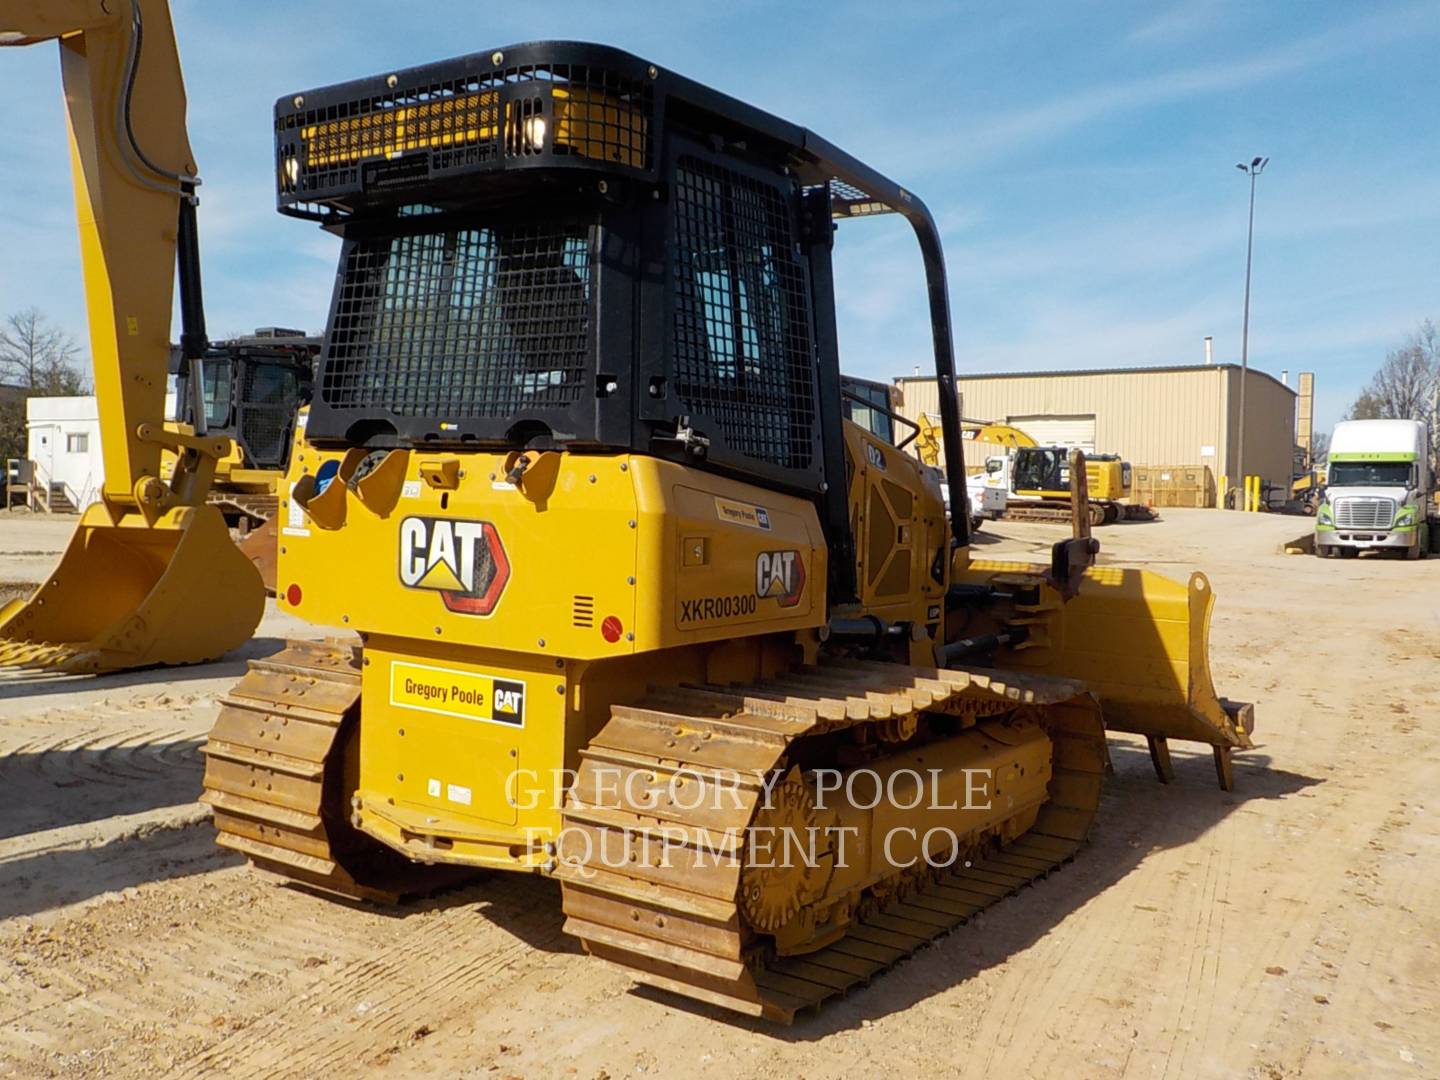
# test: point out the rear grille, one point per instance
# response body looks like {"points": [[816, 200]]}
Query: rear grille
{"points": [[464, 322], [582, 611], [1360, 513]]}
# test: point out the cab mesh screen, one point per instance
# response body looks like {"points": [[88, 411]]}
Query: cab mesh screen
{"points": [[742, 353], [267, 404], [465, 322]]}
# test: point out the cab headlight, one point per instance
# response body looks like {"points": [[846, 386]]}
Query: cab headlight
{"points": [[1325, 512], [1406, 516]]}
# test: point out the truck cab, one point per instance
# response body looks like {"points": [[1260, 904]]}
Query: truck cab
{"points": [[1379, 490]]}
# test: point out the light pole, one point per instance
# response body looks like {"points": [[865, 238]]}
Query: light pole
{"points": [[1253, 170]]}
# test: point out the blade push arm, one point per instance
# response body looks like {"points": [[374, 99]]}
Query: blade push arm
{"points": [[134, 178]]}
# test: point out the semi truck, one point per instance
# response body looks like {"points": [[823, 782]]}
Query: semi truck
{"points": [[1379, 491]]}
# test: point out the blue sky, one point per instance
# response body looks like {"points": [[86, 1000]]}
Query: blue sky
{"points": [[1078, 156]]}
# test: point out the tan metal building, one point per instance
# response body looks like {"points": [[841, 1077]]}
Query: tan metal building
{"points": [[1159, 416]]}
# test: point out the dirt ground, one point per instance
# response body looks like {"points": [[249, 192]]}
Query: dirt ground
{"points": [[1286, 929]]}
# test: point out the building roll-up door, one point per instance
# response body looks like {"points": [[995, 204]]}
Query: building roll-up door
{"points": [[1050, 430]]}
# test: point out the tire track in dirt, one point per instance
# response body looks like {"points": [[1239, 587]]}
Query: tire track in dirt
{"points": [[1039, 980], [1312, 949], [1106, 971], [1335, 952], [376, 1003], [1074, 967], [73, 769]]}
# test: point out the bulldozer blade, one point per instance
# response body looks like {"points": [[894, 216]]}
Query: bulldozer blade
{"points": [[1145, 640], [129, 594], [262, 547], [1141, 643]]}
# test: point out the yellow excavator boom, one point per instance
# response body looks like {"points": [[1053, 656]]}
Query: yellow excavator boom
{"points": [[929, 443], [150, 576], [1002, 435]]}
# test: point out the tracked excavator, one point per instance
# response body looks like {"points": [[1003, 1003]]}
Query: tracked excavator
{"points": [[1036, 479], [1040, 486], [151, 575], [636, 608]]}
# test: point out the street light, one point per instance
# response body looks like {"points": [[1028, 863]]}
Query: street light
{"points": [[1254, 169]]}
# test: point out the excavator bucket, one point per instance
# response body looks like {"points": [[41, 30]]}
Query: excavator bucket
{"points": [[132, 594]]}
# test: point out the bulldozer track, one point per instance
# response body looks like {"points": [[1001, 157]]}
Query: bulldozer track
{"points": [[682, 930], [1060, 515], [270, 771]]}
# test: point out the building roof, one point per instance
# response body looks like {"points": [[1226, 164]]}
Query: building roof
{"points": [[961, 376]]}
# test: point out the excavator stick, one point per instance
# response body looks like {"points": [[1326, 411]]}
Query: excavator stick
{"points": [[129, 594], [151, 575]]}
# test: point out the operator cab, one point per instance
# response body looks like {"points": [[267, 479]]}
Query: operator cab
{"points": [[251, 389], [559, 246]]}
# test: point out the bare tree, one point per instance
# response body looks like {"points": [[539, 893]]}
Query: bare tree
{"points": [[1407, 386], [12, 426], [37, 357]]}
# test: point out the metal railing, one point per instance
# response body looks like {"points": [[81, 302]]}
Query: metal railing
{"points": [[38, 491]]}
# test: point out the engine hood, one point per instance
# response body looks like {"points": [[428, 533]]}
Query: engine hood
{"points": [[1399, 494]]}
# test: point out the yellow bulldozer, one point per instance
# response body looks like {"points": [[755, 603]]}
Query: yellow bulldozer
{"points": [[252, 390], [633, 605], [151, 575]]}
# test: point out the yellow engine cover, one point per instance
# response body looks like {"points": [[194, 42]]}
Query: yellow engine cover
{"points": [[585, 557], [502, 619]]}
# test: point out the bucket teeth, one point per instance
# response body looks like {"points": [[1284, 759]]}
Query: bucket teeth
{"points": [[36, 655], [129, 593]]}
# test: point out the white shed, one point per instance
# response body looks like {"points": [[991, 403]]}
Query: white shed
{"points": [[64, 444]]}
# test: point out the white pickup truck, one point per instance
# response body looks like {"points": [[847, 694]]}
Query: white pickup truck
{"points": [[986, 503]]}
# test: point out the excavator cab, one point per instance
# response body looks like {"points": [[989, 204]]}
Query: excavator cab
{"points": [[1041, 470], [252, 389]]}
